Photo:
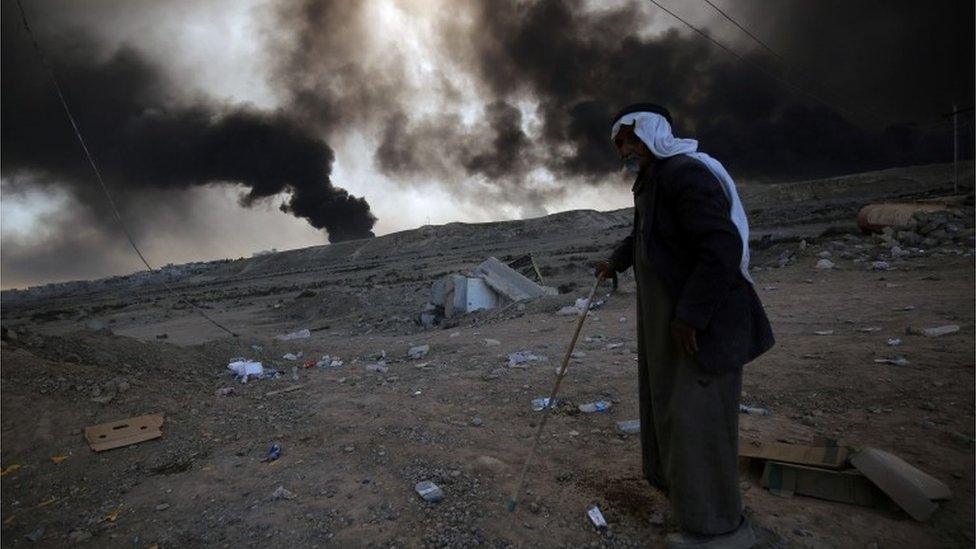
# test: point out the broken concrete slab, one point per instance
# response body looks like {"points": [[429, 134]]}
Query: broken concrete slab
{"points": [[508, 282]]}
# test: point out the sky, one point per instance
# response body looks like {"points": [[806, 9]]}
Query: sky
{"points": [[227, 127]]}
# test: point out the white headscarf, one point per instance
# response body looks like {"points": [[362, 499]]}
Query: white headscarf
{"points": [[655, 131]]}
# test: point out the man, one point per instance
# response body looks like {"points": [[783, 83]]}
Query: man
{"points": [[699, 322]]}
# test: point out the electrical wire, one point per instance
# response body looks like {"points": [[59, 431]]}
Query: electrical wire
{"points": [[98, 173]]}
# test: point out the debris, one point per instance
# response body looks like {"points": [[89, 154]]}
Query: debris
{"points": [[539, 404], [36, 535], [612, 346], [754, 410], [162, 507], [282, 493], [940, 331], [598, 406], [525, 266], [913, 490], [880, 266], [824, 332], [292, 356], [328, 362], [476, 421], [9, 469], [521, 357], [488, 342], [418, 352], [869, 329], [508, 282], [894, 341], [429, 491], [274, 452], [58, 459], [568, 310], [244, 368], [629, 427], [824, 264], [288, 389], [117, 434], [162, 336], [596, 517], [300, 334], [897, 361], [379, 367]]}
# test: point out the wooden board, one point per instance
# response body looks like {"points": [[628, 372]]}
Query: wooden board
{"points": [[117, 434]]}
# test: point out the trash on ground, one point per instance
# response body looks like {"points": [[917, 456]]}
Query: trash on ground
{"points": [[117, 434], [429, 491], [418, 352], [539, 404], [598, 406], [824, 332], [869, 329], [596, 517], [939, 331], [490, 285], [629, 427], [300, 334], [58, 459], [867, 476], [568, 310], [379, 367], [825, 264], [488, 342], [9, 469], [274, 452], [754, 410], [244, 368], [291, 356], [288, 389], [894, 341], [897, 361], [328, 362], [36, 535], [516, 359], [282, 493]]}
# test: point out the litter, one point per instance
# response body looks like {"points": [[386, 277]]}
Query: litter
{"points": [[869, 329], [282, 493], [116, 434], [897, 361], [540, 404], [754, 410], [418, 352], [521, 357], [429, 491], [379, 368], [244, 368], [568, 310], [940, 330], [825, 264], [894, 341], [300, 334], [9, 469], [58, 459], [274, 452], [488, 342], [596, 517], [598, 406], [629, 427], [824, 332], [292, 356], [328, 362]]}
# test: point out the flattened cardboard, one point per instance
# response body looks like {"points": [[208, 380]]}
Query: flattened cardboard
{"points": [[909, 487], [829, 457], [787, 480], [117, 434]]}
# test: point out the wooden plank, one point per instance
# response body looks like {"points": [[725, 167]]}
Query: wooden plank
{"points": [[125, 432]]}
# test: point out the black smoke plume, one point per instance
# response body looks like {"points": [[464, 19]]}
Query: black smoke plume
{"points": [[142, 136]]}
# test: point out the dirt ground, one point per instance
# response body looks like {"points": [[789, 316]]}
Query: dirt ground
{"points": [[355, 442]]}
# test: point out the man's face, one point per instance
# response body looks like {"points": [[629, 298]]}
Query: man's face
{"points": [[632, 151]]}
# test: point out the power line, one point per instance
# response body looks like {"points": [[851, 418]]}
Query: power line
{"points": [[755, 65], [98, 173], [745, 30]]}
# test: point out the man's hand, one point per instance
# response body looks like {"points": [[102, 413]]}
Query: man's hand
{"points": [[684, 336], [602, 268]]}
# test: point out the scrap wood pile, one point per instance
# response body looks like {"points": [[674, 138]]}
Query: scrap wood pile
{"points": [[860, 476]]}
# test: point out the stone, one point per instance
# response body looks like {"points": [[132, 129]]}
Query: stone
{"points": [[162, 507], [488, 465], [491, 342], [880, 266], [940, 331], [629, 427], [825, 264], [824, 254], [476, 421]]}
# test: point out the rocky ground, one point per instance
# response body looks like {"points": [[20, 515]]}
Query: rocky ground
{"points": [[355, 439]]}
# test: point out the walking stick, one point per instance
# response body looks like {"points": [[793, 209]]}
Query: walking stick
{"points": [[552, 396]]}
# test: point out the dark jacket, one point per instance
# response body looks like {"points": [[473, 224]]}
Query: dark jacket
{"points": [[696, 249]]}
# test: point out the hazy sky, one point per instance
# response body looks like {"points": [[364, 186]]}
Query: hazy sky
{"points": [[429, 110]]}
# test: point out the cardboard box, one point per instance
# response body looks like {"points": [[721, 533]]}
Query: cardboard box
{"points": [[850, 486], [827, 456]]}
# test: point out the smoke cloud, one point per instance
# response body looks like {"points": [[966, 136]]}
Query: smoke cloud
{"points": [[145, 137]]}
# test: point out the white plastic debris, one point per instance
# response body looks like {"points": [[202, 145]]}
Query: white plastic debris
{"points": [[300, 334], [488, 341], [540, 404], [243, 368], [824, 332], [754, 410], [897, 361], [596, 517], [282, 493], [418, 352], [941, 330], [825, 264], [598, 406], [429, 491], [629, 427], [894, 341], [568, 310], [516, 359], [291, 356]]}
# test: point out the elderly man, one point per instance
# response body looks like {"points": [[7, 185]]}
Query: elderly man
{"points": [[699, 322]]}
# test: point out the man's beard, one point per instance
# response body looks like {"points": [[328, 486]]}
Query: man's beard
{"points": [[632, 163]]}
